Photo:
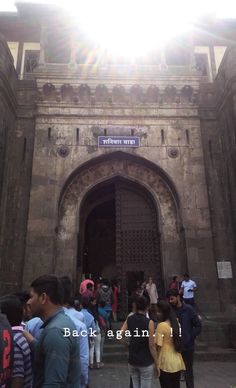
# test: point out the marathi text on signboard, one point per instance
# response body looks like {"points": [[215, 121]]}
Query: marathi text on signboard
{"points": [[224, 269], [118, 141]]}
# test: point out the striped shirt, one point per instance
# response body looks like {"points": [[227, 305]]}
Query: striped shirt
{"points": [[22, 357]]}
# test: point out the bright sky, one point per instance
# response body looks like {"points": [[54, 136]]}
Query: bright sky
{"points": [[226, 8], [131, 27]]}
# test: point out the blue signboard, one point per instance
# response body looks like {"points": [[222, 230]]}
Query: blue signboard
{"points": [[118, 141]]}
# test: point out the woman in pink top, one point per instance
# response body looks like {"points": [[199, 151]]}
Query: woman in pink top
{"points": [[83, 285]]}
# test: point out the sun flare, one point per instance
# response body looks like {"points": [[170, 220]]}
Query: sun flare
{"points": [[131, 28]]}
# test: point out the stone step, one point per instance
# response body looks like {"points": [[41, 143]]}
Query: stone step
{"points": [[223, 356], [200, 346], [119, 348], [216, 354], [114, 352], [114, 348]]}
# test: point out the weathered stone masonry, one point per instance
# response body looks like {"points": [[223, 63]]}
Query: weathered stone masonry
{"points": [[185, 164]]}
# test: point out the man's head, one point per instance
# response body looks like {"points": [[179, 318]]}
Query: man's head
{"points": [[12, 307], [84, 302], [150, 280], [105, 282], [45, 295], [186, 277], [93, 301], [141, 303], [173, 297], [24, 297]]}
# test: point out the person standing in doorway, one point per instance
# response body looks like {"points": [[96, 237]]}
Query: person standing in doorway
{"points": [[188, 287], [83, 285], [105, 294], [190, 328], [175, 283], [152, 292]]}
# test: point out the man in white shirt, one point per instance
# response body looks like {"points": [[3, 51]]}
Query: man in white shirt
{"points": [[188, 287], [152, 291]]}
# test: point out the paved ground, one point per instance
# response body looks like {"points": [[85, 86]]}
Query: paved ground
{"points": [[207, 375]]}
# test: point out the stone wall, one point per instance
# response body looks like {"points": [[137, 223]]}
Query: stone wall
{"points": [[16, 120], [218, 109], [163, 110], [187, 132]]}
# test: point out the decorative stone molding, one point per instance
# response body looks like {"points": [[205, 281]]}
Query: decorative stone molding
{"points": [[67, 93], [173, 152], [101, 93], [49, 91], [119, 94], [134, 95], [186, 93], [84, 93], [63, 151], [152, 94]]}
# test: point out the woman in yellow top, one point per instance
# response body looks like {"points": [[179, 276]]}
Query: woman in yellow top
{"points": [[168, 342]]}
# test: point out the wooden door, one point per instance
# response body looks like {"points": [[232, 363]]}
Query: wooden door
{"points": [[137, 236]]}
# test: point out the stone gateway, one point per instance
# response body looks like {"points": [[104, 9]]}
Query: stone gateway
{"points": [[114, 169]]}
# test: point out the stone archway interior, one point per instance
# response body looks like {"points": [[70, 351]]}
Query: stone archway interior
{"points": [[119, 236], [98, 233]]}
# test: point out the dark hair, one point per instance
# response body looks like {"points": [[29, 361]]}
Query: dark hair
{"points": [[169, 314], [186, 275], [51, 285], [12, 307], [172, 292], [174, 278], [22, 295], [141, 303], [85, 302], [93, 309], [67, 288], [106, 282]]}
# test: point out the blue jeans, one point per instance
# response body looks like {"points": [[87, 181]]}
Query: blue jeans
{"points": [[141, 375]]}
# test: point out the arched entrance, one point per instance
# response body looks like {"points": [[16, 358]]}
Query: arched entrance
{"points": [[140, 203], [119, 235], [97, 237]]}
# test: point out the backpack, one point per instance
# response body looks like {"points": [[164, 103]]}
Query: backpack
{"points": [[105, 296]]}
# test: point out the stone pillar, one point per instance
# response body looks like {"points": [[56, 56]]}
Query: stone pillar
{"points": [[163, 60], [73, 46], [192, 64], [213, 61], [42, 46], [192, 61]]}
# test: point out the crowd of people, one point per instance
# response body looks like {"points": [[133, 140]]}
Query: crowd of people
{"points": [[50, 337]]}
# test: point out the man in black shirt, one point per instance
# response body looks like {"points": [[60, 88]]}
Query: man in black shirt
{"points": [[190, 328], [142, 350]]}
